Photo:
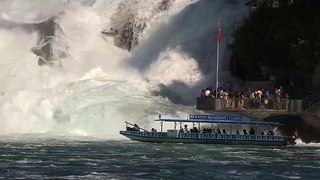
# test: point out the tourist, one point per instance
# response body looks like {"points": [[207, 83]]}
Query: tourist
{"points": [[252, 131], [186, 128], [181, 130], [224, 131], [218, 131], [270, 132], [203, 93], [207, 92], [244, 131]]}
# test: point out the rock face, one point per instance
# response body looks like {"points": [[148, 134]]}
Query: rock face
{"points": [[49, 52], [128, 22], [308, 125]]}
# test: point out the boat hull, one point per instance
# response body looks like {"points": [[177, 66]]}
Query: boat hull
{"points": [[206, 138]]}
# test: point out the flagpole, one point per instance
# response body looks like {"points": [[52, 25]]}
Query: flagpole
{"points": [[217, 68]]}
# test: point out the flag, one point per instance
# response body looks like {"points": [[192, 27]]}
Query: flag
{"points": [[219, 32]]}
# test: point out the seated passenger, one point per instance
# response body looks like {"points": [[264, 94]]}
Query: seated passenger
{"points": [[195, 130], [270, 132], [152, 129], [203, 94], [204, 130], [237, 131], [252, 131], [245, 131], [224, 131], [181, 130], [218, 131], [131, 129], [262, 133], [136, 127]]}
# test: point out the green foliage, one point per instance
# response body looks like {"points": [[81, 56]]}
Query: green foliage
{"points": [[283, 41]]}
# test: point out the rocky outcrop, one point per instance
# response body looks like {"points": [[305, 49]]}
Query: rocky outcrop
{"points": [[308, 125], [128, 22]]}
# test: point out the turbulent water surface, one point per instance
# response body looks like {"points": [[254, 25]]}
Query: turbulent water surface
{"points": [[48, 158]]}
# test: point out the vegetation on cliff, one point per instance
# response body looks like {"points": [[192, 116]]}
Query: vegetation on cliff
{"points": [[281, 42]]}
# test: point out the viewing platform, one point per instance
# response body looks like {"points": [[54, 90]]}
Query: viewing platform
{"points": [[238, 104]]}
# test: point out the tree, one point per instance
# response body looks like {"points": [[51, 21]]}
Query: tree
{"points": [[283, 41]]}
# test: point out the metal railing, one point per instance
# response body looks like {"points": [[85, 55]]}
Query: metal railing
{"points": [[262, 104], [210, 103]]}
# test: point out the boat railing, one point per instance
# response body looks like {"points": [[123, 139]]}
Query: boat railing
{"points": [[231, 136], [209, 103], [240, 137], [146, 133]]}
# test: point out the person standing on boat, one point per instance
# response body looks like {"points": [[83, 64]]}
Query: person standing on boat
{"points": [[186, 128]]}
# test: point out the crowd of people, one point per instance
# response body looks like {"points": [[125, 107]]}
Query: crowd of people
{"points": [[218, 131], [255, 97]]}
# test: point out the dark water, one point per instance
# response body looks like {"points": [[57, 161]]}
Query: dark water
{"points": [[49, 158]]}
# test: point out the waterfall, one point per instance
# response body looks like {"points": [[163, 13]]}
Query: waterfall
{"points": [[90, 83]]}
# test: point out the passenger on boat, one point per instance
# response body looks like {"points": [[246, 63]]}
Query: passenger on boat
{"points": [[207, 92], [181, 130], [237, 131], [224, 131], [153, 130], [203, 93], [218, 131], [204, 130], [136, 127], [252, 131], [186, 128], [270, 132], [262, 133], [195, 130], [245, 131]]}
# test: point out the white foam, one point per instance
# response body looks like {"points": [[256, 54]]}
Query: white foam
{"points": [[96, 90], [300, 143]]}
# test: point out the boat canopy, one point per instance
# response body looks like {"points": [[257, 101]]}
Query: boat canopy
{"points": [[219, 118]]}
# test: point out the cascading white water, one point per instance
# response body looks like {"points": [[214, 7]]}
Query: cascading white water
{"points": [[99, 85]]}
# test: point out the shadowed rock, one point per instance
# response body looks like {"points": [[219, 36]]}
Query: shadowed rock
{"points": [[127, 25], [307, 124]]}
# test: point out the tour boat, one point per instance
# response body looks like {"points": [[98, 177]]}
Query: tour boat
{"points": [[210, 134]]}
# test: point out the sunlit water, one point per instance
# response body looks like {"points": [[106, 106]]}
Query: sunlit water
{"points": [[68, 158]]}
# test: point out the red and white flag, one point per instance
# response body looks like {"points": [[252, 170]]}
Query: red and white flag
{"points": [[219, 32]]}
